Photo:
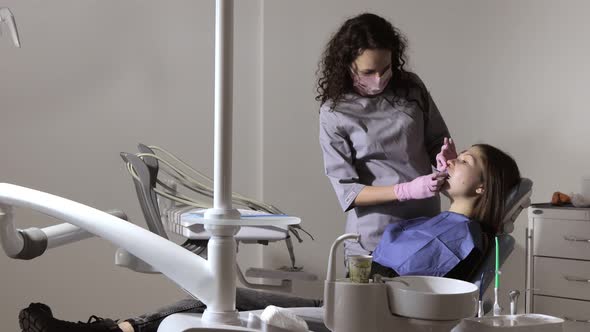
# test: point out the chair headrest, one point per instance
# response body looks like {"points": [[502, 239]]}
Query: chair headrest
{"points": [[518, 199]]}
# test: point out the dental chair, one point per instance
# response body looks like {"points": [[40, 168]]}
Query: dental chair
{"points": [[518, 199], [177, 220], [82, 222]]}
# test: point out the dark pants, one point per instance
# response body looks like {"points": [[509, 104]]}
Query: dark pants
{"points": [[246, 300]]}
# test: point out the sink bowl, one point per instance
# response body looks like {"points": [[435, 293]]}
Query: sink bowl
{"points": [[520, 323], [433, 298]]}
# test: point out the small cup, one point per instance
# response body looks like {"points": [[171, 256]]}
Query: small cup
{"points": [[359, 268]]}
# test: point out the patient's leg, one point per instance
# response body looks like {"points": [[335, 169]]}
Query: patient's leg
{"points": [[251, 299], [149, 322], [246, 299], [37, 317]]}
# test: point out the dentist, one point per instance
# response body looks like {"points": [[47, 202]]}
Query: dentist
{"points": [[380, 131]]}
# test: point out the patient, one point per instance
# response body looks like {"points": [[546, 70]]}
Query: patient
{"points": [[451, 244]]}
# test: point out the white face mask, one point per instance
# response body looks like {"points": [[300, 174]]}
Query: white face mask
{"points": [[370, 85]]}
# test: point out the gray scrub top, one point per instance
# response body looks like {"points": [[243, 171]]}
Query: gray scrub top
{"points": [[378, 142]]}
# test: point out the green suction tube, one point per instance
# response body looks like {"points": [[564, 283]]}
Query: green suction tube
{"points": [[497, 285]]}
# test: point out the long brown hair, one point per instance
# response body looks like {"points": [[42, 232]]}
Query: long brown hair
{"points": [[500, 175]]}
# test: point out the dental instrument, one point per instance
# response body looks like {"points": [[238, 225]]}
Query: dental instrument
{"points": [[497, 308], [513, 294], [7, 18], [151, 160], [480, 311], [162, 203]]}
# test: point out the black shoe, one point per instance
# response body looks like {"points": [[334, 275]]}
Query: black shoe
{"points": [[38, 318]]}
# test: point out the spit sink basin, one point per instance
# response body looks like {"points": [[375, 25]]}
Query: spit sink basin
{"points": [[432, 298]]}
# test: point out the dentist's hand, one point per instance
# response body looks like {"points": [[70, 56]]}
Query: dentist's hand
{"points": [[421, 187], [447, 152]]}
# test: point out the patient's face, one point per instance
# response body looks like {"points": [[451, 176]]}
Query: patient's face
{"points": [[465, 175]]}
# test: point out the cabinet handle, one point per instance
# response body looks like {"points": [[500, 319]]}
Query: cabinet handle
{"points": [[568, 278], [575, 239], [587, 321]]}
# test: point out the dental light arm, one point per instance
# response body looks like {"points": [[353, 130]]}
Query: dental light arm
{"points": [[33, 242], [195, 275], [7, 17]]}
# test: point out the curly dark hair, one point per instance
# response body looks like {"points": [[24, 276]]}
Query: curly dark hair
{"points": [[362, 32]]}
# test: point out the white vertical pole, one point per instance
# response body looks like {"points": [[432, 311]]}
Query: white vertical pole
{"points": [[222, 245], [222, 190]]}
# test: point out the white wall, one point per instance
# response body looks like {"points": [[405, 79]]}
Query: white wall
{"points": [[509, 73], [92, 79]]}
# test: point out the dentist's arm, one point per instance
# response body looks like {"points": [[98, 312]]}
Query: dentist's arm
{"points": [[373, 195], [421, 187]]}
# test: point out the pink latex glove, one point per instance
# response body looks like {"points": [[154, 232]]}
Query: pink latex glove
{"points": [[421, 187], [447, 152]]}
